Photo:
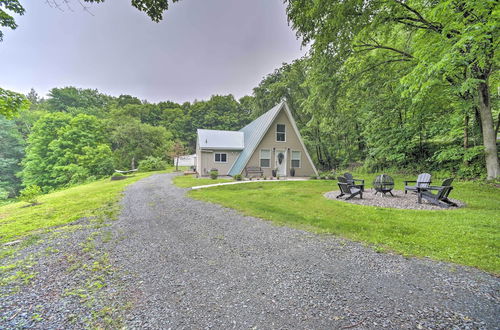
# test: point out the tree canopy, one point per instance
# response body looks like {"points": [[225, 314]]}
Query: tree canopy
{"points": [[432, 47]]}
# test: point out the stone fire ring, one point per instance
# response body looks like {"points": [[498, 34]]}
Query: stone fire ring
{"points": [[399, 201]]}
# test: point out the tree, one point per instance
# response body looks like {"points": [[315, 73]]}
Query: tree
{"points": [[177, 151], [131, 139], [11, 102], [11, 154], [64, 150], [68, 98], [451, 42], [7, 20]]}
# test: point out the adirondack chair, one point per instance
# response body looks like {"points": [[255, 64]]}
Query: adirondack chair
{"points": [[351, 180], [423, 180], [441, 197], [351, 190]]}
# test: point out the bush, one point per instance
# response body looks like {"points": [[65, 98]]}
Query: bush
{"points": [[214, 174], [152, 164], [4, 194], [30, 194], [117, 174], [237, 177]]}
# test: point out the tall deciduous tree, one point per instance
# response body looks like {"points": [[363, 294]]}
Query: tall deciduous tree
{"points": [[11, 154], [66, 150], [133, 140], [11, 102], [449, 41]]}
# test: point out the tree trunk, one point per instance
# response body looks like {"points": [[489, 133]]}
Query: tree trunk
{"points": [[466, 136], [489, 138]]}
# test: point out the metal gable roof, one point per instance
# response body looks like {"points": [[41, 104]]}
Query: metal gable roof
{"points": [[222, 140], [253, 134]]}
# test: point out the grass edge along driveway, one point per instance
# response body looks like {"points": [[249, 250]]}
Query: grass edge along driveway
{"points": [[63, 207], [468, 236]]}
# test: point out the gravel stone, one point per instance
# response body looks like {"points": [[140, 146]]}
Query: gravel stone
{"points": [[400, 200], [192, 264], [178, 263]]}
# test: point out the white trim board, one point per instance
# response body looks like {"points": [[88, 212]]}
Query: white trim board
{"points": [[240, 182]]}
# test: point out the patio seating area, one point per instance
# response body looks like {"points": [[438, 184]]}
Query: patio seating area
{"points": [[399, 200], [422, 195]]}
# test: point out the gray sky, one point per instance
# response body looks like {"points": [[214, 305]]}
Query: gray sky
{"points": [[202, 47]]}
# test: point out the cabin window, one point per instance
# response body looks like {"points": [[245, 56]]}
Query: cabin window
{"points": [[296, 159], [280, 133], [220, 157], [265, 158]]}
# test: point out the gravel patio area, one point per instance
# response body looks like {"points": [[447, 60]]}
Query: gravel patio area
{"points": [[398, 201]]}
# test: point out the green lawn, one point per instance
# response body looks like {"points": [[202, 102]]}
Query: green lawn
{"points": [[468, 236], [61, 207]]}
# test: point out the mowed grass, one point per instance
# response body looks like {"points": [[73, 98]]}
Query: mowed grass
{"points": [[468, 236], [187, 181], [18, 221]]}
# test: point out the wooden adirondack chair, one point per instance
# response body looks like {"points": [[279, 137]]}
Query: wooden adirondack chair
{"points": [[423, 180], [351, 190], [351, 180], [441, 197]]}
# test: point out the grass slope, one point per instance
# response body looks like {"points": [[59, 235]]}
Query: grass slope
{"points": [[61, 207], [468, 236]]}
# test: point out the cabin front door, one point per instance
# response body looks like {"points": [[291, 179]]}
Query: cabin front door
{"points": [[280, 162]]}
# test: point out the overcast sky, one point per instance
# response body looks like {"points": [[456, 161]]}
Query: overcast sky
{"points": [[202, 47]]}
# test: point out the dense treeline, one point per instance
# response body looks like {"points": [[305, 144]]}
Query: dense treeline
{"points": [[410, 84], [78, 135]]}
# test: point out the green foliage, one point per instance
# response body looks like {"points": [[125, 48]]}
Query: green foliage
{"points": [[238, 177], [6, 19], [63, 151], [30, 194], [393, 83], [10, 102], [131, 139], [214, 174], [153, 8], [152, 164], [77, 100], [118, 174], [11, 153]]}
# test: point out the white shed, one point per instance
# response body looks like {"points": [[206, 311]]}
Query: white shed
{"points": [[187, 160]]}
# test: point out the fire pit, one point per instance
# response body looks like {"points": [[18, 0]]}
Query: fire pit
{"points": [[384, 184]]}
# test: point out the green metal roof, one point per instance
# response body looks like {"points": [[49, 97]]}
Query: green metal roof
{"points": [[253, 134]]}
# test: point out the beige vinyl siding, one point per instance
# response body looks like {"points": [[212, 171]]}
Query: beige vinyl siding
{"points": [[292, 144], [207, 161]]}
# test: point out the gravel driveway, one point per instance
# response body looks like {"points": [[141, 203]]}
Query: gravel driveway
{"points": [[193, 264]]}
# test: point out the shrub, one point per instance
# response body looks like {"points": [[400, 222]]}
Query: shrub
{"points": [[118, 174], [237, 177], [152, 164], [4, 194], [30, 194], [214, 174]]}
